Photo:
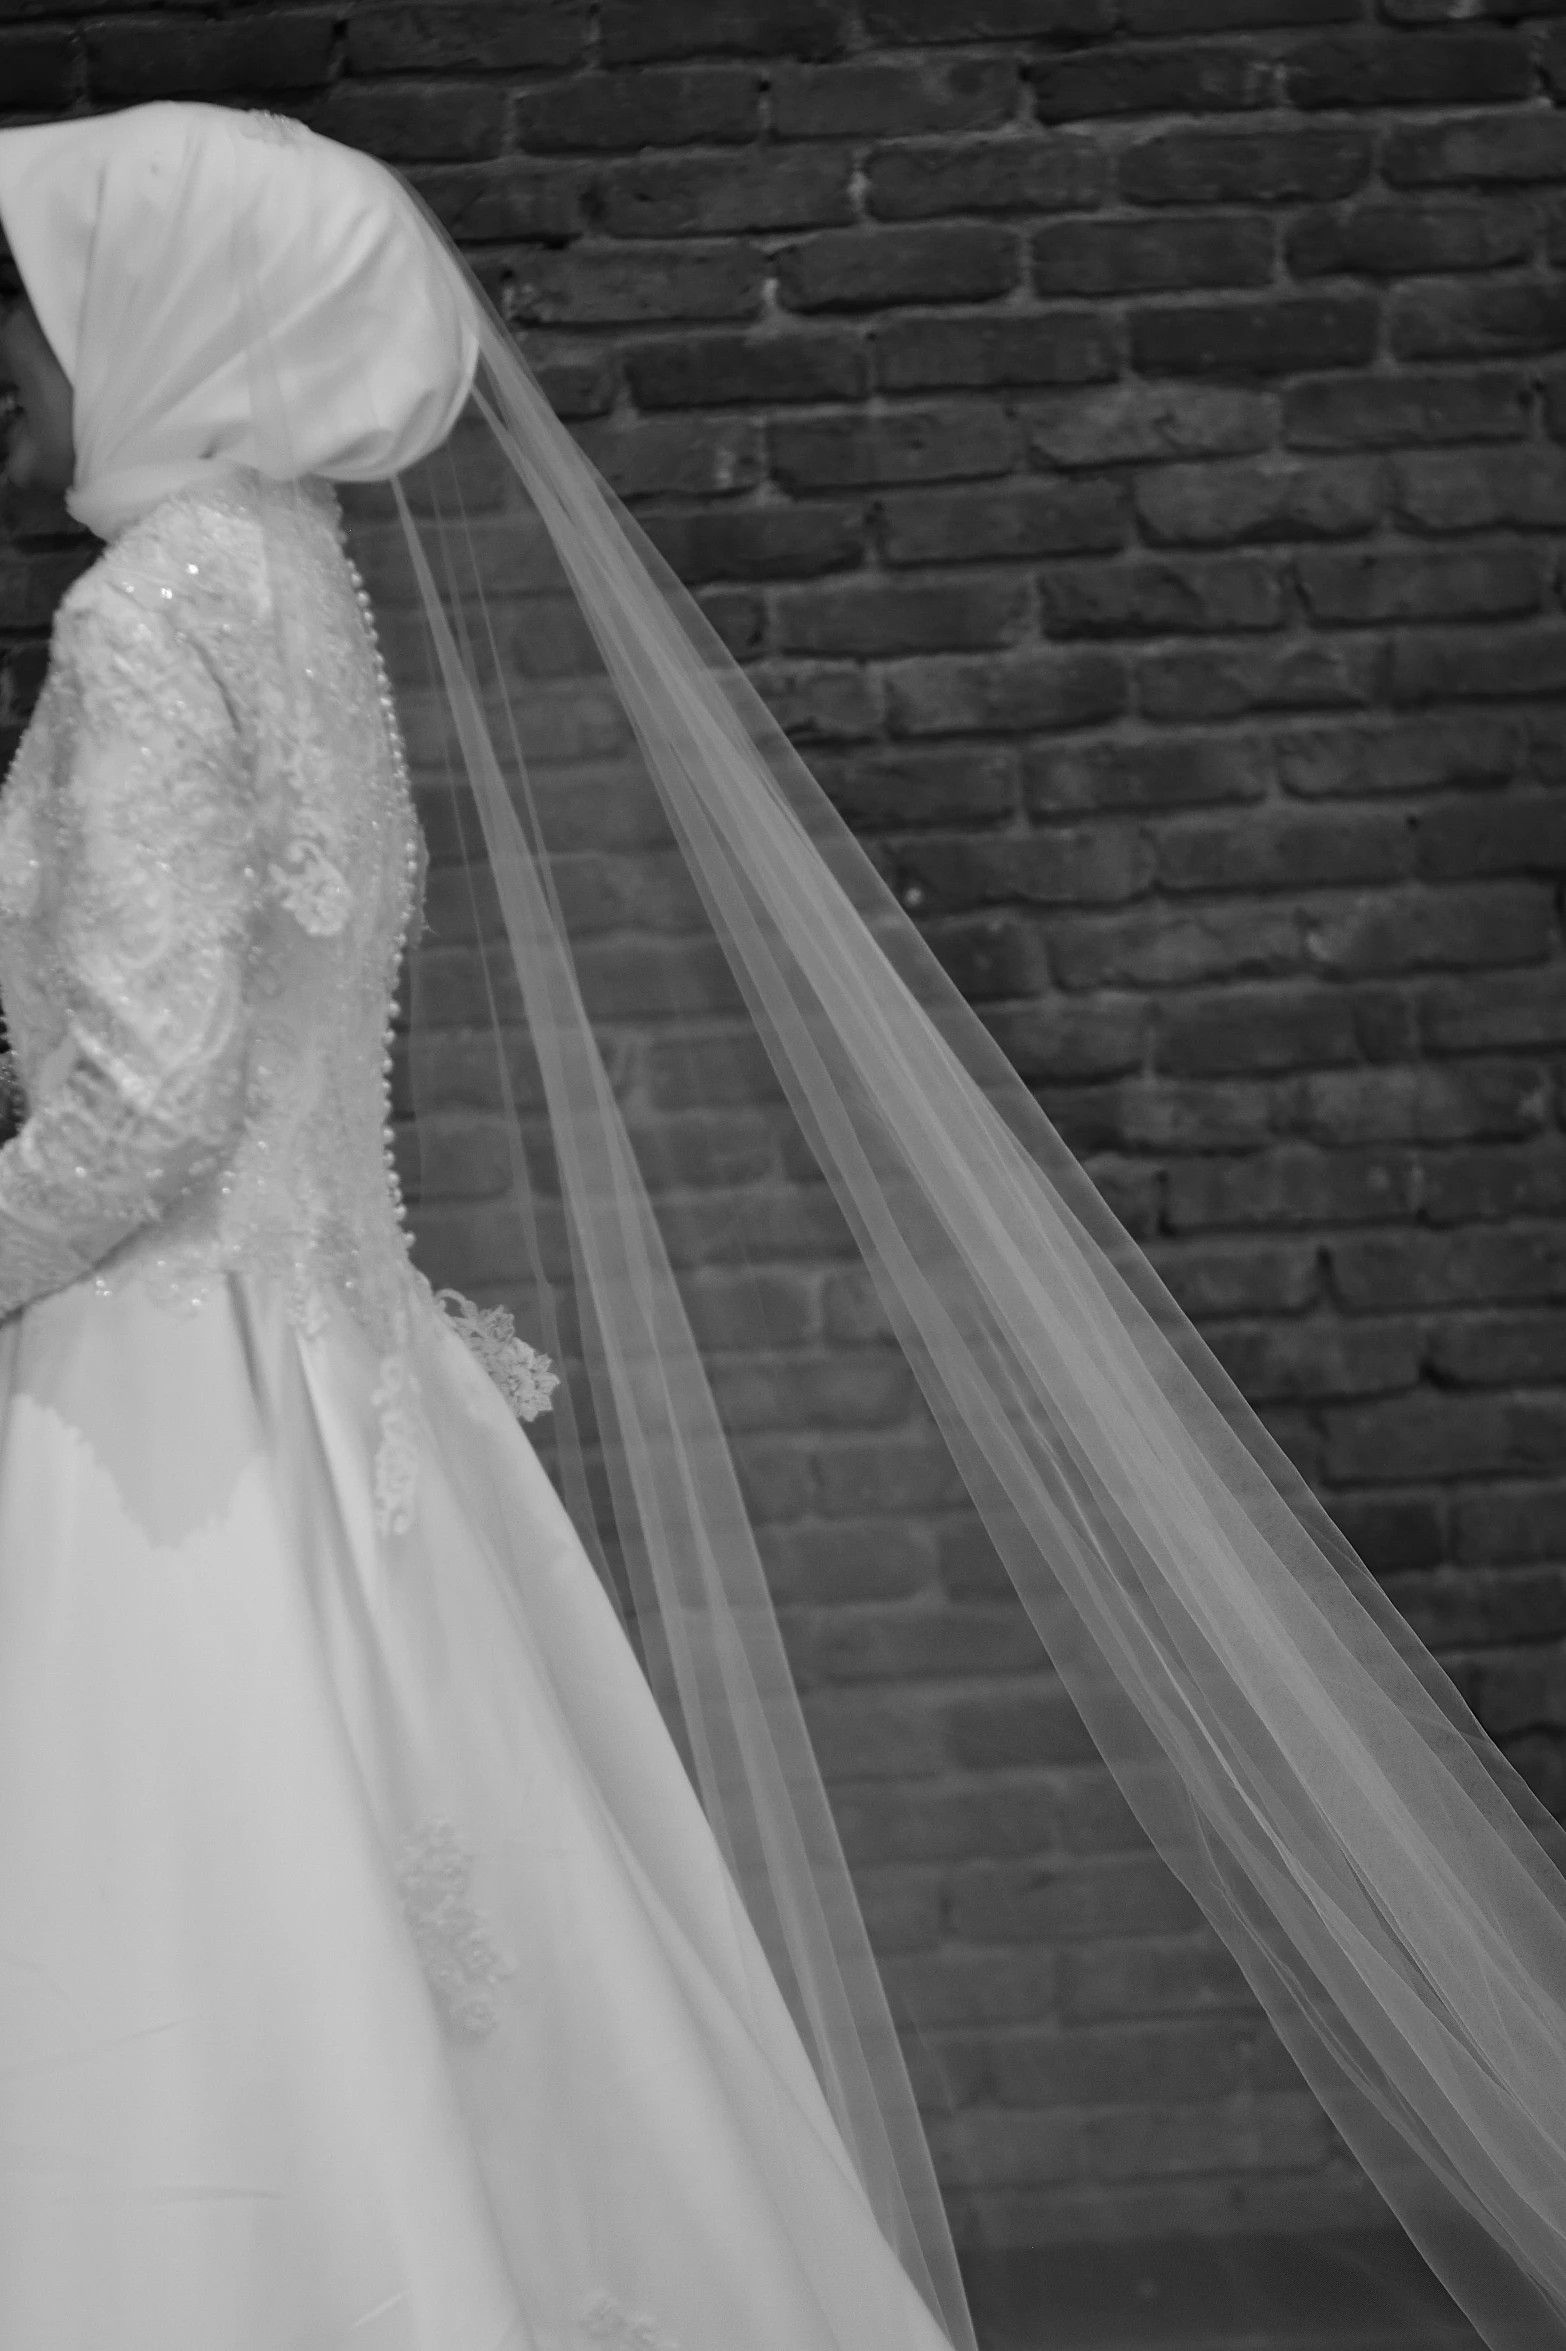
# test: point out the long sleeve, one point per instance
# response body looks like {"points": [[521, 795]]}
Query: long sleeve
{"points": [[141, 1093]]}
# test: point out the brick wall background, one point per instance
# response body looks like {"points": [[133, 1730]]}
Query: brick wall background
{"points": [[1126, 439]]}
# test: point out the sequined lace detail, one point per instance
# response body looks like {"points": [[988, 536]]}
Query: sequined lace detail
{"points": [[308, 881], [199, 998], [396, 1471], [460, 1956], [278, 130], [522, 1375], [608, 2321]]}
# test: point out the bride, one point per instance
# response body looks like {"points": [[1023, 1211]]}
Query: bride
{"points": [[371, 1975]]}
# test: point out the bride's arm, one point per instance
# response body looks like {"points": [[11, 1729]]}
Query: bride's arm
{"points": [[144, 1094]]}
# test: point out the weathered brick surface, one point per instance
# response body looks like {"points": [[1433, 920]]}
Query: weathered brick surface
{"points": [[1129, 442]]}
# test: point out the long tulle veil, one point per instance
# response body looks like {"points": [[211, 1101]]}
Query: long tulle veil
{"points": [[779, 1060], [1388, 1886]]}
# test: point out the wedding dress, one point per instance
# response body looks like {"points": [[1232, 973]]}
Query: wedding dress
{"points": [[368, 1974]]}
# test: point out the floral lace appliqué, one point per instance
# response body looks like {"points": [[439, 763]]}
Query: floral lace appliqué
{"points": [[397, 1455], [460, 1956], [608, 2321], [308, 882], [523, 1376], [278, 130]]}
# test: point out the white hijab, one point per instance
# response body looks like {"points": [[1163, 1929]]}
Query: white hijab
{"points": [[226, 289]]}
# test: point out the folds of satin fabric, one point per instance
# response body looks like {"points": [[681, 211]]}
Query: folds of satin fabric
{"points": [[368, 1975]]}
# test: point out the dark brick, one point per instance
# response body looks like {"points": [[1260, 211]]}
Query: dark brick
{"points": [[1446, 665], [923, 784], [1181, 773], [873, 619], [707, 196], [290, 50], [1255, 1030], [914, 182], [991, 956], [1132, 423], [1247, 1277], [1555, 234], [431, 39], [1414, 1104], [1406, 240], [1522, 833], [1444, 1436], [35, 70], [1030, 518], [1229, 681], [1493, 1010], [1151, 256], [1250, 341], [1232, 16], [1245, 167], [715, 371], [576, 380], [1501, 1350], [1388, 412], [1394, 1531], [1478, 321], [1183, 80], [1489, 1184], [821, 702], [761, 542], [636, 31], [740, 618], [1296, 1183], [599, 112], [413, 122], [1484, 1265], [1465, 752], [676, 456], [1421, 930], [862, 269], [1261, 498], [1362, 588], [1160, 946], [1496, 150], [1519, 1523], [593, 286], [1439, 69], [1290, 851], [487, 203], [882, 98], [1555, 408], [1479, 1610], [1318, 1358], [1089, 865], [1519, 489], [944, 442], [1033, 694], [930, 354], [929, 22], [1150, 598], [1552, 56], [1064, 1040]]}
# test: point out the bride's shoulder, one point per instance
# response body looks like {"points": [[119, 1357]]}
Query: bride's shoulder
{"points": [[196, 559], [195, 578]]}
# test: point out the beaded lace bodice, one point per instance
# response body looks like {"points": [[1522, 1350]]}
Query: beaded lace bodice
{"points": [[208, 862]]}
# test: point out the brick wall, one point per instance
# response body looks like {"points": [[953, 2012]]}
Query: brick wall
{"points": [[1126, 438]]}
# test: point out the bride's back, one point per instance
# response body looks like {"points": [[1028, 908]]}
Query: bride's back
{"points": [[208, 831]]}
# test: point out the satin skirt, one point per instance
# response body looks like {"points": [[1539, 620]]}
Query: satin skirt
{"points": [[369, 1978]]}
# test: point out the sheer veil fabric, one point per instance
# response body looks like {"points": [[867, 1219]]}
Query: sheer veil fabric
{"points": [[230, 293]]}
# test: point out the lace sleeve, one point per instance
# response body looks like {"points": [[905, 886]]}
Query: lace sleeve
{"points": [[143, 1094]]}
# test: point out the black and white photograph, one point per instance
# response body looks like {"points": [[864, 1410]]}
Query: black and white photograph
{"points": [[782, 1175]]}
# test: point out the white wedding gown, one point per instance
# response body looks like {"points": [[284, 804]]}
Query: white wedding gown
{"points": [[369, 1978]]}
